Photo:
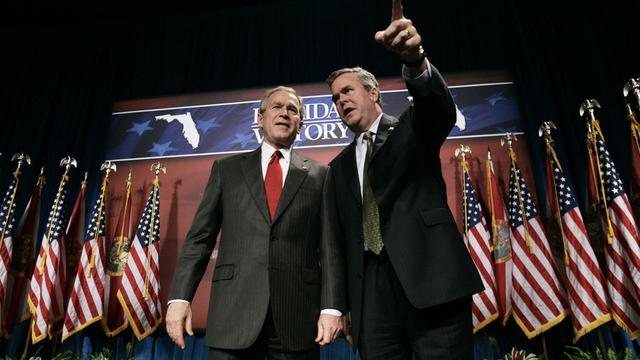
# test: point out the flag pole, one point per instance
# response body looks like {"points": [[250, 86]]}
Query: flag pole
{"points": [[494, 226], [544, 131], [68, 162], [508, 139], [25, 351], [461, 152], [107, 167], [544, 346], [157, 167], [593, 131], [21, 157]]}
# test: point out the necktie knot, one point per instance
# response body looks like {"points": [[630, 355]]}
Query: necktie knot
{"points": [[277, 155], [368, 137]]}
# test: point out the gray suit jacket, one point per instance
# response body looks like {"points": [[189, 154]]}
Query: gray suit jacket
{"points": [[292, 263]]}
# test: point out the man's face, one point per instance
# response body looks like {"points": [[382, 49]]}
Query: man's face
{"points": [[280, 121], [355, 104]]}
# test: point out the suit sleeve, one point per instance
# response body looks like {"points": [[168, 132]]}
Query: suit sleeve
{"points": [[333, 291], [201, 240], [434, 112]]}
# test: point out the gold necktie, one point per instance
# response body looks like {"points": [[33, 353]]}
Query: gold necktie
{"points": [[370, 215]]}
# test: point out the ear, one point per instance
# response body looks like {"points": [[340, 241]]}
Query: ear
{"points": [[260, 120], [300, 127], [374, 93]]}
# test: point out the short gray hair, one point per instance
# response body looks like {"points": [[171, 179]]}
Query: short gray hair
{"points": [[263, 100], [366, 79]]}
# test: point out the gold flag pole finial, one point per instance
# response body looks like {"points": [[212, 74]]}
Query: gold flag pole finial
{"points": [[21, 158], [632, 86]]}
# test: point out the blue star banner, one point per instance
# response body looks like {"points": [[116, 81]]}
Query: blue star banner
{"points": [[483, 110]]}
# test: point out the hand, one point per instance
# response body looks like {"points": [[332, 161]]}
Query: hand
{"points": [[178, 319], [401, 36], [328, 329], [346, 328]]}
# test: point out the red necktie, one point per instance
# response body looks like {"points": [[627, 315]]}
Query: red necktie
{"points": [[273, 182]]}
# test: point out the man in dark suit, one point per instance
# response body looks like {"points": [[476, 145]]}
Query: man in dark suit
{"points": [[278, 283], [410, 277]]}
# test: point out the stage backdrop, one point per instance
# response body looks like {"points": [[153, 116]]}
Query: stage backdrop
{"points": [[188, 133]]}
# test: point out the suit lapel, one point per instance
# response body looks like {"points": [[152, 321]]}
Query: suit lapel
{"points": [[298, 171], [252, 171], [350, 170], [386, 126]]}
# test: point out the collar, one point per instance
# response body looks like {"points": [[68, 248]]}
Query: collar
{"points": [[373, 128], [268, 150]]}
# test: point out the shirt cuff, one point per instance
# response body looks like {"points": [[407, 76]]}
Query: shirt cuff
{"points": [[333, 312], [177, 300], [420, 86]]}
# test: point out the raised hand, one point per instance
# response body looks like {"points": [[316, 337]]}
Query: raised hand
{"points": [[402, 37]]}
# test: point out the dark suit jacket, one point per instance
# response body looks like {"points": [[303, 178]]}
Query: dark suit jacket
{"points": [[419, 232], [293, 264]]}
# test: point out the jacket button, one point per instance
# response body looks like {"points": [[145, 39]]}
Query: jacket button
{"points": [[273, 238]]}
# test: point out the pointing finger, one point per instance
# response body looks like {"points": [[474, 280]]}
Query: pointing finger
{"points": [[396, 10]]}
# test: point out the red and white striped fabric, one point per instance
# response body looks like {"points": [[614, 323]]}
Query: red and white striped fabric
{"points": [[139, 292], [85, 305], [501, 242], [584, 281], [46, 299], [7, 222], [538, 298], [623, 250], [484, 306], [24, 244]]}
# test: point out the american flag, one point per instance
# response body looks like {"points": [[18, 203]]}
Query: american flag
{"points": [[46, 300], [484, 306], [116, 321], [139, 292], [24, 243], [85, 302], [501, 242], [635, 153], [74, 238], [7, 222], [538, 297], [584, 281], [622, 252]]}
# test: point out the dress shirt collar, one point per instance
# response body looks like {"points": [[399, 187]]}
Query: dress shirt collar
{"points": [[373, 128], [268, 150]]}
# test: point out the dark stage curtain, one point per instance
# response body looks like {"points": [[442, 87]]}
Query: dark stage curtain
{"points": [[60, 73]]}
